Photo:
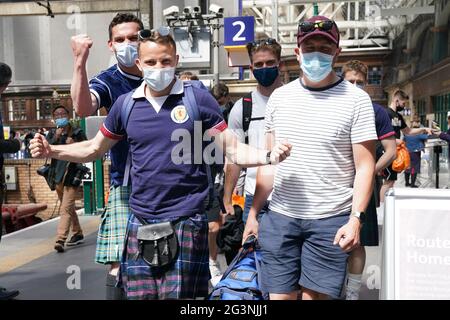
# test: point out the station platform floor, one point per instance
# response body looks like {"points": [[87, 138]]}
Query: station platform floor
{"points": [[29, 263]]}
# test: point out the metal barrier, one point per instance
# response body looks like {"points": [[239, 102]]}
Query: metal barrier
{"points": [[19, 216], [435, 165], [416, 245]]}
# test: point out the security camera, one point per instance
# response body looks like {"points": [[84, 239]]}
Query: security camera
{"points": [[171, 11], [196, 10], [187, 10], [216, 9]]}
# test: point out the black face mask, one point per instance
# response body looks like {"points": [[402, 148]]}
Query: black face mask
{"points": [[399, 108]]}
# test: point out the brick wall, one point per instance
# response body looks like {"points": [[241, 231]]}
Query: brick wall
{"points": [[41, 191]]}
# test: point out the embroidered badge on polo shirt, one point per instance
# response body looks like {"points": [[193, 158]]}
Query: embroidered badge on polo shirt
{"points": [[179, 114]]}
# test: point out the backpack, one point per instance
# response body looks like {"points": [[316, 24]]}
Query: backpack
{"points": [[403, 160], [247, 104], [189, 102], [229, 238], [241, 281]]}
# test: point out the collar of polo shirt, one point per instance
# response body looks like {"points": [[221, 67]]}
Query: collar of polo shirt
{"points": [[177, 88]]}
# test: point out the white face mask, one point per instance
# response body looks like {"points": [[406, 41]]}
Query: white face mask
{"points": [[158, 79], [126, 54]]}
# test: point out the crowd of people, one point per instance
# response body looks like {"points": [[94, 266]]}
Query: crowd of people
{"points": [[312, 158]]}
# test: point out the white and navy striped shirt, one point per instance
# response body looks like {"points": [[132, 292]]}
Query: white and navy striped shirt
{"points": [[316, 181]]}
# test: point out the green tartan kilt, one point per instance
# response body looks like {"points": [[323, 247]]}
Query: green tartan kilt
{"points": [[113, 226]]}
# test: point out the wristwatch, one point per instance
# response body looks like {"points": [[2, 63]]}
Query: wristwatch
{"points": [[360, 215], [268, 161]]}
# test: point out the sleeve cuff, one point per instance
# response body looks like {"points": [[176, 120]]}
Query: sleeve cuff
{"points": [[97, 96], [109, 134], [387, 135], [218, 128]]}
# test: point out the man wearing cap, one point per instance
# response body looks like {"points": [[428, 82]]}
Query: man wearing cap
{"points": [[321, 191]]}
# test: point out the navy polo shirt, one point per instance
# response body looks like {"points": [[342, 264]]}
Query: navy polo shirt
{"points": [[107, 87], [383, 124], [161, 188]]}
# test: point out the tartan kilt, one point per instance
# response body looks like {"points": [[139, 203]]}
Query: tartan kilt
{"points": [[187, 278], [113, 226]]}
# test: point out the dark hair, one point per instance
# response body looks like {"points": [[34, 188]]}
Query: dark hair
{"points": [[220, 90], [400, 94], [188, 76], [5, 73], [60, 107], [124, 18], [269, 44], [355, 65], [159, 39]]}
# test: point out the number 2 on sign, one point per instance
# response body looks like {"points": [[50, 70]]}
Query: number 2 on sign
{"points": [[238, 35]]}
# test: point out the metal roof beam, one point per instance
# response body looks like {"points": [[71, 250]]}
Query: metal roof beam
{"points": [[263, 3], [65, 7], [407, 11]]}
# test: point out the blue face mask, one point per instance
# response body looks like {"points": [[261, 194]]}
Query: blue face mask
{"points": [[62, 122], [316, 65], [126, 54], [266, 76]]}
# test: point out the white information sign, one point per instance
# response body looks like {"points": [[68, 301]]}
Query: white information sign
{"points": [[416, 245]]}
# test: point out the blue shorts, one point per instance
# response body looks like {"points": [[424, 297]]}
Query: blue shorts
{"points": [[299, 252]]}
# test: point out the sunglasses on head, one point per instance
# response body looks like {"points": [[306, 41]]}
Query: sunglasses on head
{"points": [[258, 43], [145, 34], [309, 26]]}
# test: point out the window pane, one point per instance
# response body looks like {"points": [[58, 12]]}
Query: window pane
{"points": [[18, 110], [375, 74], [45, 109]]}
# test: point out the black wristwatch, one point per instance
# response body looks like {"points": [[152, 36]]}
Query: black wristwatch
{"points": [[361, 215], [268, 161]]}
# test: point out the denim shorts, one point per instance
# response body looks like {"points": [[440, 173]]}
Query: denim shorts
{"points": [[300, 252]]}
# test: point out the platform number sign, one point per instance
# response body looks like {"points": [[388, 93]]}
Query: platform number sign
{"points": [[239, 30]]}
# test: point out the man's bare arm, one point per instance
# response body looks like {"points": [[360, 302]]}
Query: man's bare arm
{"points": [[389, 155], [416, 131], [247, 156], [84, 102], [364, 156], [85, 151], [232, 172], [264, 186]]}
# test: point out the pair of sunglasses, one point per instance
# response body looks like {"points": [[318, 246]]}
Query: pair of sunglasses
{"points": [[145, 34], [257, 43], [309, 26]]}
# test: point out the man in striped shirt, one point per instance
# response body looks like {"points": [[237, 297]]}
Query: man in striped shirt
{"points": [[322, 189]]}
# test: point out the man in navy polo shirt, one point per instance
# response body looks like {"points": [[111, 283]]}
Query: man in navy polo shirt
{"points": [[164, 190], [102, 91]]}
